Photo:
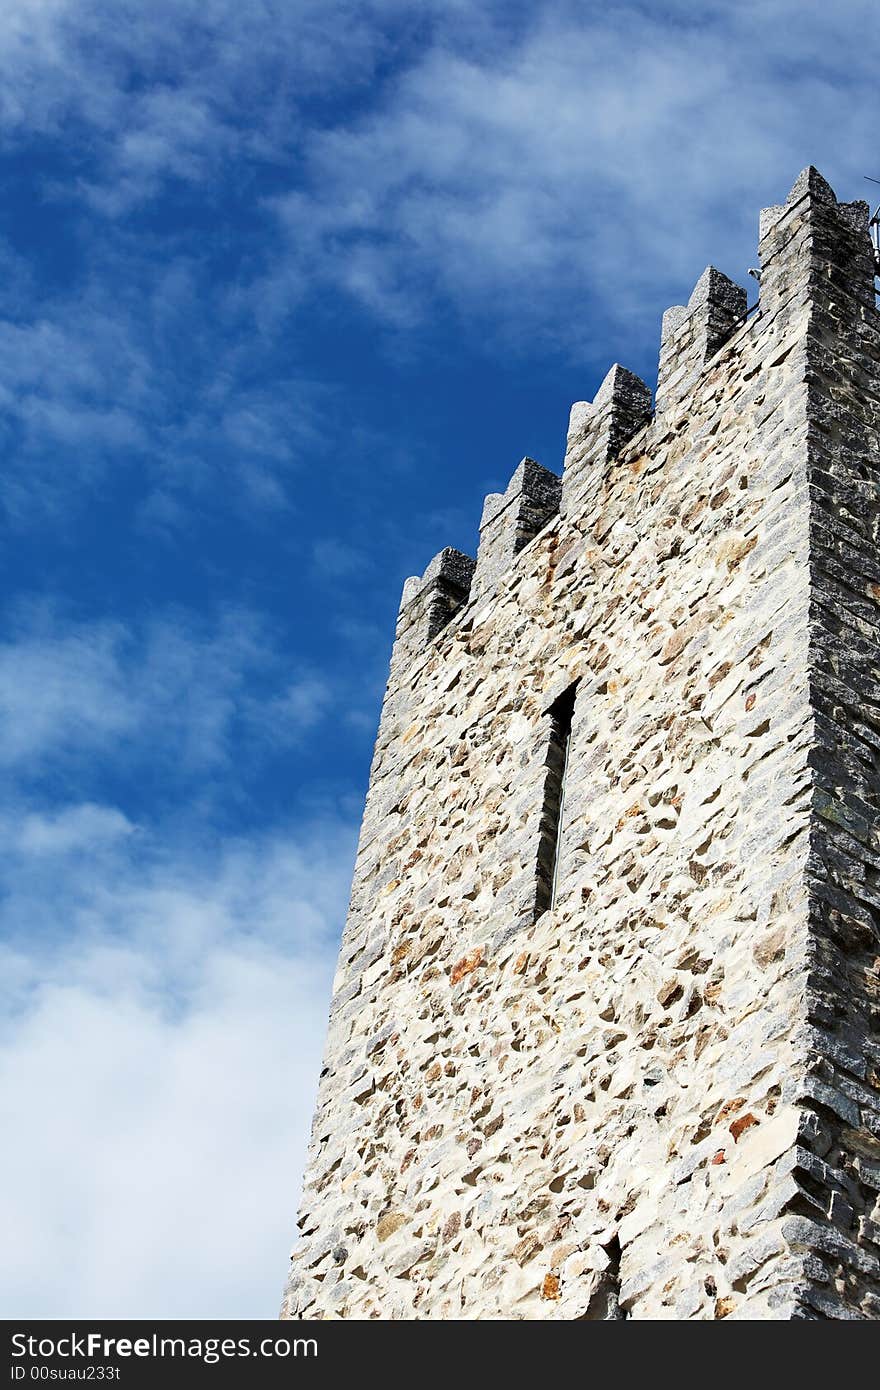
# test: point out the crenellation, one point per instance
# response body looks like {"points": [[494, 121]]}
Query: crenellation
{"points": [[656, 1095], [428, 603], [693, 333], [812, 230], [598, 430], [513, 518]]}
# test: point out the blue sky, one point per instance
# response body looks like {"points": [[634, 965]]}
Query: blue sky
{"points": [[286, 288]]}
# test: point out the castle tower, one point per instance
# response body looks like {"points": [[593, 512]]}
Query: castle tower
{"points": [[605, 1036]]}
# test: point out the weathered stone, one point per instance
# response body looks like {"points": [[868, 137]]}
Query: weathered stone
{"points": [[511, 519], [613, 1052], [389, 1223]]}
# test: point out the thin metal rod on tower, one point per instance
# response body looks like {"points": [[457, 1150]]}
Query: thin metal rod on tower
{"points": [[874, 225]]}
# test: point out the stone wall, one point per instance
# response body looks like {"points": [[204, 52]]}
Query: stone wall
{"points": [[658, 1099]]}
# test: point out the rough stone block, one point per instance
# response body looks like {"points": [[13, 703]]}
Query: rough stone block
{"points": [[511, 519], [659, 1098]]}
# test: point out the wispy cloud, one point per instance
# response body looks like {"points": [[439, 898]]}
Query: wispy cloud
{"points": [[83, 828], [164, 983], [176, 691], [161, 1046], [607, 154], [233, 239], [93, 384], [549, 174]]}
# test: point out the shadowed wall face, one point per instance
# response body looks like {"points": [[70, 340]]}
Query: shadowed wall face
{"points": [[649, 1099]]}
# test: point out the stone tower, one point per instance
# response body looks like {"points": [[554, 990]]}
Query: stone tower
{"points": [[605, 1036]]}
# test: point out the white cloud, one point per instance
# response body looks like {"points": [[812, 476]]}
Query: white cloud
{"points": [[62, 689], [92, 382], [80, 828], [601, 155], [555, 173], [163, 89], [298, 708], [554, 170], [176, 692], [158, 1053], [164, 986]]}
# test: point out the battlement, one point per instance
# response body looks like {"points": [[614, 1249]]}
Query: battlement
{"points": [[605, 1034], [804, 242], [692, 333]]}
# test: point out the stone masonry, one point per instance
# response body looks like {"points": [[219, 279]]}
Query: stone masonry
{"points": [[658, 1094]]}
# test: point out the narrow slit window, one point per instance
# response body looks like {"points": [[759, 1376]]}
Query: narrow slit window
{"points": [[560, 714]]}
